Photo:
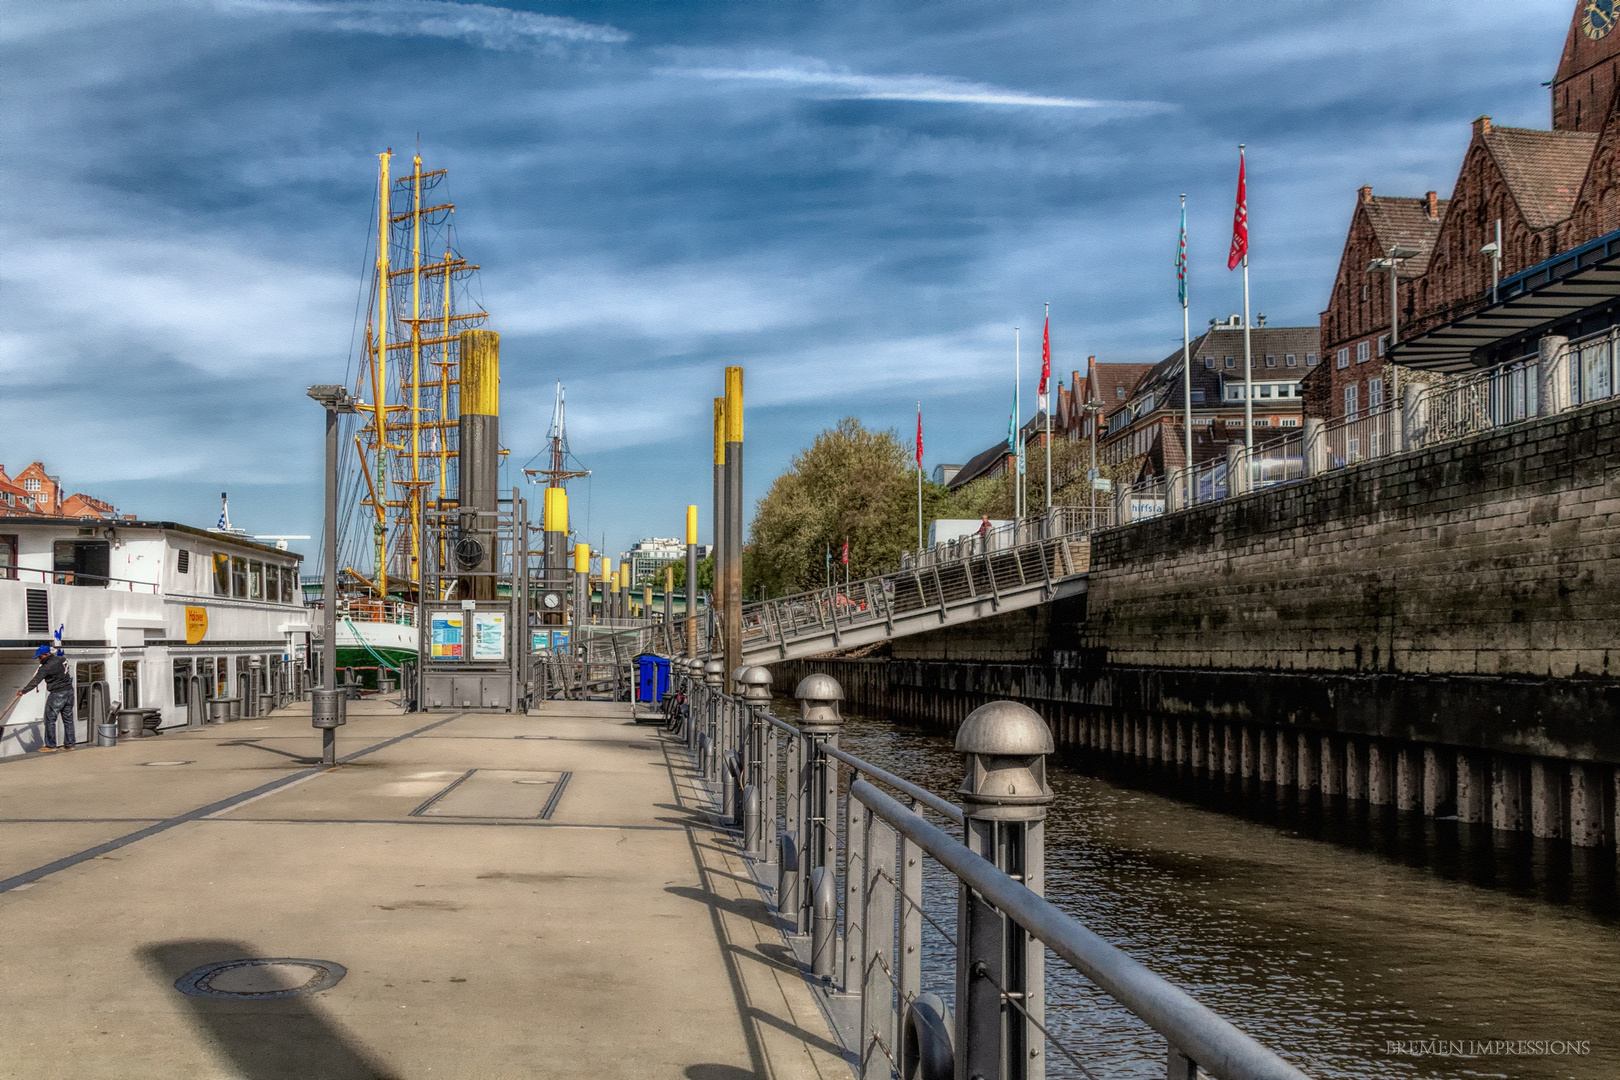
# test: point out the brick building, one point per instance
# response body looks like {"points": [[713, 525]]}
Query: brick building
{"points": [[1542, 192], [33, 492]]}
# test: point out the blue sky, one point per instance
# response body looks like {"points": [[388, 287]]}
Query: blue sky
{"points": [[855, 201]]}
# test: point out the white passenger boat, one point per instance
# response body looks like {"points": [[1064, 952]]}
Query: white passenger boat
{"points": [[166, 615]]}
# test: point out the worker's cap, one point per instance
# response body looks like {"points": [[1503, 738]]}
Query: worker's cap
{"points": [[42, 651]]}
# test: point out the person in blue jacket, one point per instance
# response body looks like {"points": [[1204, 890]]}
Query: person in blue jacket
{"points": [[59, 702]]}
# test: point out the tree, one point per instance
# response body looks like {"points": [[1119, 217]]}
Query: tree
{"points": [[851, 483]]}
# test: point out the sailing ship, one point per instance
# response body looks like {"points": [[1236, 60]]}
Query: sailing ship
{"points": [[401, 452]]}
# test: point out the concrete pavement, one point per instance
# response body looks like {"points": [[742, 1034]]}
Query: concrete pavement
{"points": [[619, 936]]}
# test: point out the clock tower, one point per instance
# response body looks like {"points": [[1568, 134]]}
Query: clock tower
{"points": [[1587, 71]]}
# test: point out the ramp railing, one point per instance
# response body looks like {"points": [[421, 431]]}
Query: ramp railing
{"points": [[802, 809]]}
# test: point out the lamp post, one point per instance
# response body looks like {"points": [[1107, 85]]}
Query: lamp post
{"points": [[1391, 263], [1094, 408], [327, 705]]}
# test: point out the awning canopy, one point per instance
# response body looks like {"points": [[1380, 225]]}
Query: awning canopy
{"points": [[1563, 286]]}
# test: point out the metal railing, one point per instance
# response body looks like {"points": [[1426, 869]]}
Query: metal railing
{"points": [[75, 578], [860, 933], [1585, 371]]}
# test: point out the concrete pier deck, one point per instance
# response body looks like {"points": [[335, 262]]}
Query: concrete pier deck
{"points": [[619, 936]]}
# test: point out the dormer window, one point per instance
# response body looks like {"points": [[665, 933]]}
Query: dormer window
{"points": [[1119, 392]]}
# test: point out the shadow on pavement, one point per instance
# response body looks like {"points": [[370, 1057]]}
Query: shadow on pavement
{"points": [[280, 1039]]}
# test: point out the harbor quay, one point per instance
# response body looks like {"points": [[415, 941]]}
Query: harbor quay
{"points": [[461, 895]]}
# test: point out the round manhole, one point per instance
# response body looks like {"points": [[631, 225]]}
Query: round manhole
{"points": [[261, 978], [168, 763]]}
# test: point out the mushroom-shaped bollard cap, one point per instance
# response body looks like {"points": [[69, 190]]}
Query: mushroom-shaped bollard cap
{"points": [[819, 695], [755, 683], [713, 672], [1005, 745]]}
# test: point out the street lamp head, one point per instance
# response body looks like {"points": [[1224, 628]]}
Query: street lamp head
{"points": [[1398, 252], [333, 396], [1489, 249]]}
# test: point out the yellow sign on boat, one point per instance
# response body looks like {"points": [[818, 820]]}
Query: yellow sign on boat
{"points": [[196, 624]]}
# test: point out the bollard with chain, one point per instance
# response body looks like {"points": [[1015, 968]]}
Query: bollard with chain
{"points": [[1000, 969]]}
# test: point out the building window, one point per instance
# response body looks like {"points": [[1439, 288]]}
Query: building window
{"points": [[1197, 397], [1364, 293], [1231, 361], [1119, 392], [1383, 344], [1209, 361], [1310, 359], [1234, 422], [1261, 421], [1344, 359], [31, 484], [1234, 393], [1350, 408], [1265, 391], [1375, 393], [1289, 421], [1363, 351], [1291, 360]]}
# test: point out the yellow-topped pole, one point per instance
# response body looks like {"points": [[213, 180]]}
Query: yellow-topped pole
{"points": [[732, 618], [379, 374], [691, 581], [478, 433], [719, 515], [582, 592]]}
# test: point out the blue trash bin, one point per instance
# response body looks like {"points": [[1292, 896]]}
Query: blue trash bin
{"points": [[652, 678], [662, 664]]}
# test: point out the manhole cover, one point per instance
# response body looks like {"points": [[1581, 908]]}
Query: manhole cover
{"points": [[168, 763], [261, 978]]}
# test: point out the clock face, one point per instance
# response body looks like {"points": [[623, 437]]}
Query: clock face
{"points": [[551, 600], [1598, 17]]}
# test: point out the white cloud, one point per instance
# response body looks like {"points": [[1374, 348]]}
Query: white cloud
{"points": [[480, 24], [827, 82]]}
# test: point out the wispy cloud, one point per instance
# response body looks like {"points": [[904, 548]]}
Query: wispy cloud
{"points": [[826, 82], [480, 24]]}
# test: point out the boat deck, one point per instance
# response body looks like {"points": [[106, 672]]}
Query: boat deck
{"points": [[493, 919]]}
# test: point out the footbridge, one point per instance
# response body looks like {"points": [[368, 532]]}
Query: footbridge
{"points": [[1022, 564]]}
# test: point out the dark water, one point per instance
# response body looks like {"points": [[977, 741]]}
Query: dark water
{"points": [[1328, 936]]}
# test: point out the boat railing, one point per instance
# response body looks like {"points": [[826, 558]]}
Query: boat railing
{"points": [[362, 609], [861, 931], [76, 578]]}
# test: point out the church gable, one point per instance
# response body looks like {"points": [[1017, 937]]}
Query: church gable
{"points": [[1597, 208]]}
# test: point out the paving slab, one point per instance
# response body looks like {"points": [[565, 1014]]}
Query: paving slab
{"points": [[620, 936]]}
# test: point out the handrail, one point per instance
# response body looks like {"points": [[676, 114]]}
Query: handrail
{"points": [[866, 768], [10, 572], [1218, 1046]]}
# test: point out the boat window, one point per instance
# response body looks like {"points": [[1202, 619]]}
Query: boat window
{"points": [[205, 671], [222, 677], [255, 580], [86, 672], [182, 682], [82, 562], [289, 585], [272, 584], [8, 557], [239, 576], [222, 574]]}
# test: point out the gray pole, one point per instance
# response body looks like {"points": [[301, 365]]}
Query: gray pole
{"points": [[327, 705]]}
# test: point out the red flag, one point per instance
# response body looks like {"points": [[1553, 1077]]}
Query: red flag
{"points": [[919, 436], [845, 558], [1240, 220], [1046, 357]]}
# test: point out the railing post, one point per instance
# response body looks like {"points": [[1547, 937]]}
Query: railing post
{"points": [[756, 684], [909, 949], [791, 856], [1237, 473], [1000, 968], [1314, 448], [877, 1052], [1552, 375], [854, 876], [713, 675], [820, 721]]}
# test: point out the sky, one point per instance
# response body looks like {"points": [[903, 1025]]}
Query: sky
{"points": [[856, 202]]}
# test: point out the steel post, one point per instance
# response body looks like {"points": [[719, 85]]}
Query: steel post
{"points": [[876, 892], [732, 629], [1004, 798], [823, 923]]}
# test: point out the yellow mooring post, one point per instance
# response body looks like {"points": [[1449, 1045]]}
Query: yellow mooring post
{"points": [[734, 526], [610, 589], [718, 609], [582, 594], [479, 451], [691, 581]]}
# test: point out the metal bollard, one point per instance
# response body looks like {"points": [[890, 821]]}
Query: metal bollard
{"points": [[750, 821], [823, 924], [756, 683], [1004, 797]]}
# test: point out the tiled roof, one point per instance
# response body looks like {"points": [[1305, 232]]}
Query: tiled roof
{"points": [[978, 465], [1107, 379], [1406, 223], [1543, 169]]}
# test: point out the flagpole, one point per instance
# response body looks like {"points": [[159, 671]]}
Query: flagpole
{"points": [[1186, 357], [1018, 432], [1046, 363], [919, 478], [1248, 353]]}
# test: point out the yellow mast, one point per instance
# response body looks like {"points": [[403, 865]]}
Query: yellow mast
{"points": [[415, 509], [379, 374]]}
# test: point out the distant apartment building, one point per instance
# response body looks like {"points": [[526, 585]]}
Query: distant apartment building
{"points": [[648, 557], [34, 492]]}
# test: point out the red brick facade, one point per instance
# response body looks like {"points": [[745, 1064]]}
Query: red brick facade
{"points": [[1550, 190]]}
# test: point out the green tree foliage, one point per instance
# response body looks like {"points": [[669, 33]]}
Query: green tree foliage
{"points": [[850, 483], [705, 574]]}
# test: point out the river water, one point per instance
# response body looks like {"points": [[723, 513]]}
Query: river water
{"points": [[1331, 937]]}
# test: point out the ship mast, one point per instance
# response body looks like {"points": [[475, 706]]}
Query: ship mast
{"points": [[559, 471]]}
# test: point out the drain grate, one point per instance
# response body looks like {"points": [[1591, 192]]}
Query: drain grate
{"points": [[261, 978]]}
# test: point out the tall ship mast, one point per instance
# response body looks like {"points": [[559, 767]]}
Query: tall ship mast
{"points": [[423, 294]]}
